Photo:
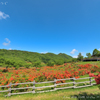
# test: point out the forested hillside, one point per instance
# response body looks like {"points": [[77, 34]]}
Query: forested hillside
{"points": [[17, 58]]}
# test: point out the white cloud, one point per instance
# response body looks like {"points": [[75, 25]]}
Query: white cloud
{"points": [[75, 56], [73, 51], [82, 53], [99, 49], [3, 15], [10, 49], [6, 44], [44, 52], [4, 3]]}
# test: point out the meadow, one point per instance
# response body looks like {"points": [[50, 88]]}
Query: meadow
{"points": [[48, 73]]}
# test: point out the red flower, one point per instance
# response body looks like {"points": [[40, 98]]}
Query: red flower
{"points": [[91, 75]]}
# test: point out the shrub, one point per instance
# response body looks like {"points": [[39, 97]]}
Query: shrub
{"points": [[28, 65], [9, 65], [37, 64], [0, 64], [17, 66], [50, 63], [59, 62]]}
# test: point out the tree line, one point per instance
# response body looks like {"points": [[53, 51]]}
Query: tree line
{"points": [[95, 53], [17, 58]]}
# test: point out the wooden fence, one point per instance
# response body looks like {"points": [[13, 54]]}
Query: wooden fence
{"points": [[55, 84]]}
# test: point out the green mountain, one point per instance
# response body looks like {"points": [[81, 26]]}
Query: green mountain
{"points": [[17, 58]]}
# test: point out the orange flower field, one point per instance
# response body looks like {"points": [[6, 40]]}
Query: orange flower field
{"points": [[46, 73]]}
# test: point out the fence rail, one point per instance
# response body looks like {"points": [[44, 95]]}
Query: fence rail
{"points": [[55, 85]]}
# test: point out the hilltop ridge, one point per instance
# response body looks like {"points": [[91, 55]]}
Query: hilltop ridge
{"points": [[18, 58]]}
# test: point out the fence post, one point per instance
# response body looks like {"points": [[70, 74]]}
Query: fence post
{"points": [[55, 84], [90, 80], [9, 94], [73, 82], [33, 87]]}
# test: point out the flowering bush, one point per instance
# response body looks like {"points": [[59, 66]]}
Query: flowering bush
{"points": [[46, 73], [97, 79]]}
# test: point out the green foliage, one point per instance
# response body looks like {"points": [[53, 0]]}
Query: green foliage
{"points": [[50, 63], [69, 60], [80, 57], [98, 86], [63, 55], [37, 63], [96, 52], [4, 65], [10, 66], [17, 58], [59, 62], [2, 59], [17, 66], [0, 64], [27, 65], [74, 60], [88, 55]]}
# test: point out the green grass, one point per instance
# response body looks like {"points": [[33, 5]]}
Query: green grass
{"points": [[66, 94], [89, 62], [59, 94], [59, 86]]}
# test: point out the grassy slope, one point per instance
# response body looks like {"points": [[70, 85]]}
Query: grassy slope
{"points": [[57, 95], [89, 62], [16, 57]]}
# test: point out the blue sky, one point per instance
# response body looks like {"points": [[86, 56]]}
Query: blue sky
{"points": [[57, 26]]}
